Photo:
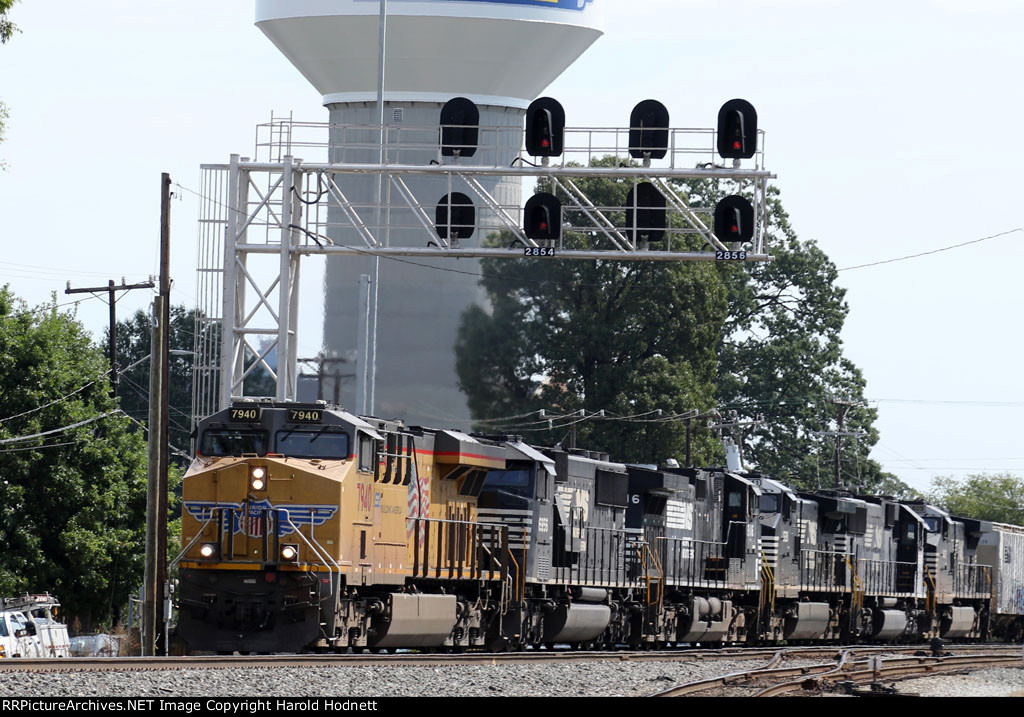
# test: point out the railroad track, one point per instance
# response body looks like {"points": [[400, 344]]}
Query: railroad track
{"points": [[773, 655], [849, 670]]}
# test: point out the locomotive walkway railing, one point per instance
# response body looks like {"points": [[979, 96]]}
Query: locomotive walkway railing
{"points": [[972, 581], [889, 578], [701, 563], [459, 550], [603, 557], [825, 570]]}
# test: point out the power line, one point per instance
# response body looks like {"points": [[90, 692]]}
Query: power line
{"points": [[21, 439], [51, 403], [933, 251], [39, 448]]}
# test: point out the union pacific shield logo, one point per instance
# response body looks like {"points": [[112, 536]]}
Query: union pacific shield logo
{"points": [[252, 521]]}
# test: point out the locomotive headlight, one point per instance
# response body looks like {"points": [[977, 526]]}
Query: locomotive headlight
{"points": [[258, 477], [208, 550], [289, 552]]}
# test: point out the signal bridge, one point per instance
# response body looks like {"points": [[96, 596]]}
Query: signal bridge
{"points": [[278, 207]]}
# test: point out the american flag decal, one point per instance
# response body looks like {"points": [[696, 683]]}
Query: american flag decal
{"points": [[419, 498]]}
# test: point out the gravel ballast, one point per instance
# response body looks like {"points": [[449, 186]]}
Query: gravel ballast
{"points": [[593, 679], [994, 682]]}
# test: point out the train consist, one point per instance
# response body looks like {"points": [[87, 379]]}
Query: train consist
{"points": [[305, 527]]}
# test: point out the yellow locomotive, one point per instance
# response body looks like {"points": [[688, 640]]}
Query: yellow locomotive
{"points": [[308, 527]]}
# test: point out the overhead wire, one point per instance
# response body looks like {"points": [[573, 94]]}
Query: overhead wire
{"points": [[22, 439], [933, 251]]}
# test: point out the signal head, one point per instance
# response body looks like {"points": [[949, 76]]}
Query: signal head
{"points": [[734, 220], [545, 128], [737, 130], [542, 217]]}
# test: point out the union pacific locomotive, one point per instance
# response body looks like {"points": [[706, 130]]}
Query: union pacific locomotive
{"points": [[306, 527]]}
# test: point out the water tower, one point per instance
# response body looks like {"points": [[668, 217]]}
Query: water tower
{"points": [[501, 54]]}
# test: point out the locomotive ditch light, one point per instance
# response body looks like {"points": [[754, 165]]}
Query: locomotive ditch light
{"points": [[289, 552], [258, 478], [737, 130], [545, 128], [208, 550]]}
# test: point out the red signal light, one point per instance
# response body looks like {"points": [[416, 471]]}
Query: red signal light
{"points": [[543, 226], [737, 144]]}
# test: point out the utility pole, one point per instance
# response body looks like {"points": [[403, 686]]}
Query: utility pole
{"points": [[154, 637], [843, 406], [322, 362], [733, 443], [111, 290]]}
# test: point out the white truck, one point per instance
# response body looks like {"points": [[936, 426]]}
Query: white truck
{"points": [[29, 628]]}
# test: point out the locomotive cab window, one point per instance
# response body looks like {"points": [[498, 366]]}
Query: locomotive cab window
{"points": [[519, 482], [326, 442], [367, 454], [232, 442], [769, 503]]}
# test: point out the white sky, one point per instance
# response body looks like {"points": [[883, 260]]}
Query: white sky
{"points": [[894, 129]]}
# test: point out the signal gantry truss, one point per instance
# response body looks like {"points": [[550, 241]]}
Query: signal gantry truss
{"points": [[279, 208]]}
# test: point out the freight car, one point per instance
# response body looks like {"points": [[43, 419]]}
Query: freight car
{"points": [[306, 527]]}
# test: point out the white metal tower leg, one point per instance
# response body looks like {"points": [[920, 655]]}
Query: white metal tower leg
{"points": [[233, 290], [285, 288]]}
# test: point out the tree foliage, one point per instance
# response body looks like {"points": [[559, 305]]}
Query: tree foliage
{"points": [[628, 338], [999, 497], [133, 347], [7, 28], [760, 340], [72, 502], [782, 361]]}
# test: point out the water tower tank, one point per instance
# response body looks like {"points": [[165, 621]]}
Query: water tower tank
{"points": [[501, 54]]}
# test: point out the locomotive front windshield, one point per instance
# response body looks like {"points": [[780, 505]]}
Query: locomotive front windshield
{"points": [[321, 443], [769, 503], [518, 481], [232, 442]]}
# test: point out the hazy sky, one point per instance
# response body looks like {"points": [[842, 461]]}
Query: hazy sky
{"points": [[893, 127]]}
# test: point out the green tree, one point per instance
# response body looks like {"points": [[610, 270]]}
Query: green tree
{"points": [[782, 360], [999, 497], [628, 338], [72, 499], [133, 347], [7, 28], [762, 340]]}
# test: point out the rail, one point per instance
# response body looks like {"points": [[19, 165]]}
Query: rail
{"points": [[825, 570], [603, 554], [322, 555], [411, 143], [889, 578], [972, 580], [191, 544], [458, 549], [701, 563]]}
